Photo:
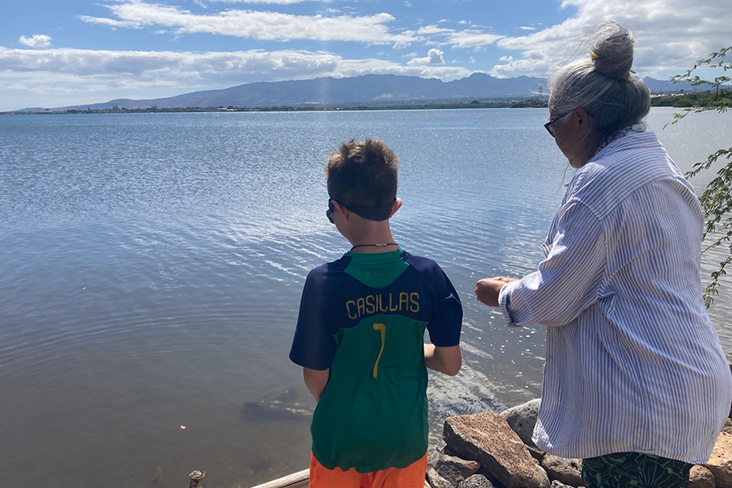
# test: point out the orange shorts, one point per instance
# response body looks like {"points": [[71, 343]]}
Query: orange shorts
{"points": [[412, 476]]}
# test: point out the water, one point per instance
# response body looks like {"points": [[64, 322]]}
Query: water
{"points": [[151, 268]]}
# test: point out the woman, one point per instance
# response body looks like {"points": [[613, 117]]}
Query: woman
{"points": [[635, 377]]}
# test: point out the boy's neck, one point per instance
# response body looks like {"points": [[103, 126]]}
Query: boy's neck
{"points": [[372, 239]]}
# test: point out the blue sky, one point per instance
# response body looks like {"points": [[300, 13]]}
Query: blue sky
{"points": [[66, 52]]}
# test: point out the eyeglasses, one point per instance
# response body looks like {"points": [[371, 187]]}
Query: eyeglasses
{"points": [[370, 213], [549, 126], [331, 209]]}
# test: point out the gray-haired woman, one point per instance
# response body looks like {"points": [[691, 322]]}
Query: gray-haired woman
{"points": [[635, 383]]}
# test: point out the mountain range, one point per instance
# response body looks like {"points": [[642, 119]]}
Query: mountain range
{"points": [[366, 90]]}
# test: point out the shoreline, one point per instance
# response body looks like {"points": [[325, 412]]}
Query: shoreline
{"points": [[675, 100]]}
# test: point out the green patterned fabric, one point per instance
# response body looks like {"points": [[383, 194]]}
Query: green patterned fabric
{"points": [[634, 470]]}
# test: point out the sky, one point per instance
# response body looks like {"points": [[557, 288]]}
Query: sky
{"points": [[66, 52]]}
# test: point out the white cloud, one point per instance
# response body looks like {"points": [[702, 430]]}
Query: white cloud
{"points": [[669, 35], [111, 22], [527, 28], [273, 2], [169, 66], [472, 39], [77, 76], [38, 40], [257, 24], [433, 29], [434, 56], [466, 39]]}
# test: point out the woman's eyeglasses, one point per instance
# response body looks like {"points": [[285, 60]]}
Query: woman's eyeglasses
{"points": [[549, 126]]}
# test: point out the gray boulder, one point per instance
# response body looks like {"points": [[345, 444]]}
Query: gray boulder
{"points": [[522, 419]]}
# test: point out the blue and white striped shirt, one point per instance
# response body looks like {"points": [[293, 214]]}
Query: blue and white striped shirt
{"points": [[633, 362]]}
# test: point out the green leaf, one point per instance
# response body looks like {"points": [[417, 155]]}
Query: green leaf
{"points": [[716, 200]]}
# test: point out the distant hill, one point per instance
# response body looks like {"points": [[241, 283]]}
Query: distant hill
{"points": [[661, 86], [367, 90], [342, 92]]}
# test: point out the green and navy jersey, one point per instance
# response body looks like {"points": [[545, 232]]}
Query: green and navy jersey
{"points": [[364, 316]]}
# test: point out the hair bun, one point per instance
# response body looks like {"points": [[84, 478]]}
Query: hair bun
{"points": [[612, 50]]}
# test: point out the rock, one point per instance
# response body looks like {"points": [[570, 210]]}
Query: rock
{"points": [[559, 484], [476, 481], [488, 439], [522, 419], [727, 427], [568, 471], [536, 453], [720, 462], [701, 477], [543, 477], [446, 450], [433, 455], [455, 469], [435, 480], [277, 406]]}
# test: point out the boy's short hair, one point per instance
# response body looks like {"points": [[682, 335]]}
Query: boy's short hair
{"points": [[363, 175]]}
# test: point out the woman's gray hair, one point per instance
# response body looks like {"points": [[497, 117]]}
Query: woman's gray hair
{"points": [[602, 83]]}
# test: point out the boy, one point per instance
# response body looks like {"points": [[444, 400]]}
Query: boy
{"points": [[360, 331]]}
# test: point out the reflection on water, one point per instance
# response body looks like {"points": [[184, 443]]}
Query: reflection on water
{"points": [[152, 268]]}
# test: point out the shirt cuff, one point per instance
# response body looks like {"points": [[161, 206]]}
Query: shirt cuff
{"points": [[504, 301]]}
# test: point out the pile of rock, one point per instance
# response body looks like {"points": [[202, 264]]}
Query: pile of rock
{"points": [[489, 450]]}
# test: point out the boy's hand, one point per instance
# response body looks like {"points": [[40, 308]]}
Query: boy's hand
{"points": [[487, 289]]}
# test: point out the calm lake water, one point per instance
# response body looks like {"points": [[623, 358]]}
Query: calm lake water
{"points": [[151, 267]]}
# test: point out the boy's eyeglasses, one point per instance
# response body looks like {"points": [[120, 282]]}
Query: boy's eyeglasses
{"points": [[549, 126], [370, 213], [331, 209]]}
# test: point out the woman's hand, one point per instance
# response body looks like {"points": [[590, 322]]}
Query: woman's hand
{"points": [[487, 289]]}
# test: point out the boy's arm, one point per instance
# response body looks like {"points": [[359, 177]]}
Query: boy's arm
{"points": [[447, 360], [316, 380]]}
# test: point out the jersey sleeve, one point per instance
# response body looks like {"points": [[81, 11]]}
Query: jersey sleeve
{"points": [[446, 323], [313, 345]]}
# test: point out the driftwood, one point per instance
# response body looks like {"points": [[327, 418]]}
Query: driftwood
{"points": [[296, 480]]}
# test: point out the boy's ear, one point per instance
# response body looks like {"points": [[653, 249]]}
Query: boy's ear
{"points": [[341, 209], [397, 206]]}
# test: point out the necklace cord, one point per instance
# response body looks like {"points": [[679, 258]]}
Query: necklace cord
{"points": [[381, 244]]}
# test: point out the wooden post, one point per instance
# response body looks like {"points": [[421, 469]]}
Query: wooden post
{"points": [[197, 479]]}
